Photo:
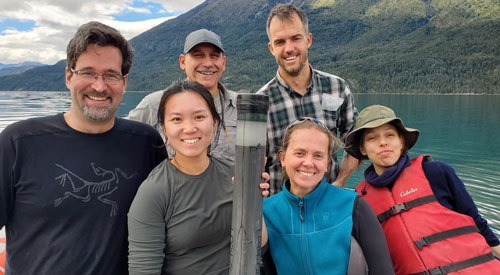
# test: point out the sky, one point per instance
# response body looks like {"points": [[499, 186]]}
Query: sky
{"points": [[39, 30]]}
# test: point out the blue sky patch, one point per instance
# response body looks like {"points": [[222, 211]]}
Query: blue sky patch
{"points": [[9, 23], [156, 11]]}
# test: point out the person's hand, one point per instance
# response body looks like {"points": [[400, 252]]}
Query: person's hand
{"points": [[338, 183], [264, 186]]}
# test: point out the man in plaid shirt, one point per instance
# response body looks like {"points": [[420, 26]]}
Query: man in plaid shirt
{"points": [[298, 91]]}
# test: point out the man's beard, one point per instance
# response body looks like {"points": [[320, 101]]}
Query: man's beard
{"points": [[296, 71], [97, 113]]}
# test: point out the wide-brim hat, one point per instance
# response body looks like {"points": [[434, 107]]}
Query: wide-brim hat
{"points": [[202, 36], [373, 117]]}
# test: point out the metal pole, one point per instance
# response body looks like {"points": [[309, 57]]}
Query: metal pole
{"points": [[246, 230]]}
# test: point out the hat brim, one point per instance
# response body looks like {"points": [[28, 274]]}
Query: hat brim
{"points": [[211, 42], [353, 139]]}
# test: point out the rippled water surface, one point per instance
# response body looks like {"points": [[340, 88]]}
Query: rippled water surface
{"points": [[16, 105], [460, 130]]}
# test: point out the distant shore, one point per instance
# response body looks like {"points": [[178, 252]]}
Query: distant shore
{"points": [[355, 93]]}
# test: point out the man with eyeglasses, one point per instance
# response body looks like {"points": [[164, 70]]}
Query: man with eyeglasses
{"points": [[298, 91], [67, 180], [203, 61]]}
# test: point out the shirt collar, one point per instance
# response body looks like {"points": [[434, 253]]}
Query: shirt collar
{"points": [[318, 191], [282, 82], [227, 98]]}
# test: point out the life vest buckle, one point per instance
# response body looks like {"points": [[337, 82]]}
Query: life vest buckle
{"points": [[436, 271], [423, 242], [398, 208]]}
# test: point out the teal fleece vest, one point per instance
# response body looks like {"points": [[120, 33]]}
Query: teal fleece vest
{"points": [[311, 234]]}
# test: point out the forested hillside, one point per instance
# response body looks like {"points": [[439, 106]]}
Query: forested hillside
{"points": [[402, 46]]}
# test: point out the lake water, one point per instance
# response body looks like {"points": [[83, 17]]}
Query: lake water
{"points": [[461, 130]]}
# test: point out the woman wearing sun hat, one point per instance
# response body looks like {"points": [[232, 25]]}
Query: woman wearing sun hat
{"points": [[431, 223]]}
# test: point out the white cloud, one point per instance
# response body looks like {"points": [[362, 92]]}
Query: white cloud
{"points": [[183, 5], [131, 29], [139, 10], [56, 21]]}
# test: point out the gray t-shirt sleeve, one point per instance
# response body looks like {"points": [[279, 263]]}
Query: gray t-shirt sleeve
{"points": [[146, 225]]}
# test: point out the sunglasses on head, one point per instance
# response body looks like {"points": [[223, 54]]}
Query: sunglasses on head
{"points": [[304, 119], [314, 120]]}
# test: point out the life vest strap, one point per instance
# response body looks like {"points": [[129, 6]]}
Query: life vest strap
{"points": [[445, 269], [427, 240], [398, 208]]}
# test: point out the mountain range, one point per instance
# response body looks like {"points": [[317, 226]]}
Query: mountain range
{"points": [[8, 69], [394, 46]]}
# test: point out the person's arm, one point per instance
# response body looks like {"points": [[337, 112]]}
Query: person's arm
{"points": [[6, 174], [264, 187], [451, 193], [146, 227], [496, 251], [348, 165], [267, 259], [347, 114], [370, 236], [264, 233], [147, 110]]}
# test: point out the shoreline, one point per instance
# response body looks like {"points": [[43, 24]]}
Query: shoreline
{"points": [[386, 93], [354, 93]]}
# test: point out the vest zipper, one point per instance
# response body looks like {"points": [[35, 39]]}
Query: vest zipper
{"points": [[304, 244], [301, 209]]}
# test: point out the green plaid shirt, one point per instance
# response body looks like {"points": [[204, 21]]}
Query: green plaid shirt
{"points": [[327, 99]]}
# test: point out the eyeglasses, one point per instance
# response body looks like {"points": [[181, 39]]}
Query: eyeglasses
{"points": [[108, 78]]}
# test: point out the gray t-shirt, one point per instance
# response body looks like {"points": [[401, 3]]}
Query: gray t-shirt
{"points": [[181, 224]]}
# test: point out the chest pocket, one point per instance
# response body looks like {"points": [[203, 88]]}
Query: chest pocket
{"points": [[330, 105]]}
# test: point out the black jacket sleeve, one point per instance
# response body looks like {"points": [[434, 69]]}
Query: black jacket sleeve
{"points": [[370, 236]]}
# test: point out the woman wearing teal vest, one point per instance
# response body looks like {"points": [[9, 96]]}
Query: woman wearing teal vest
{"points": [[308, 226]]}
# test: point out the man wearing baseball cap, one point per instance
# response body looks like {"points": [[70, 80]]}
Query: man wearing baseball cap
{"points": [[203, 61]]}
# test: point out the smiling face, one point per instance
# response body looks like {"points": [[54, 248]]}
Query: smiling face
{"points": [[383, 145], [204, 64], [188, 125], [289, 44], [305, 160], [95, 102]]}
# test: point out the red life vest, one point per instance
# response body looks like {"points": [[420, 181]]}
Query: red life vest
{"points": [[423, 236], [2, 256]]}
